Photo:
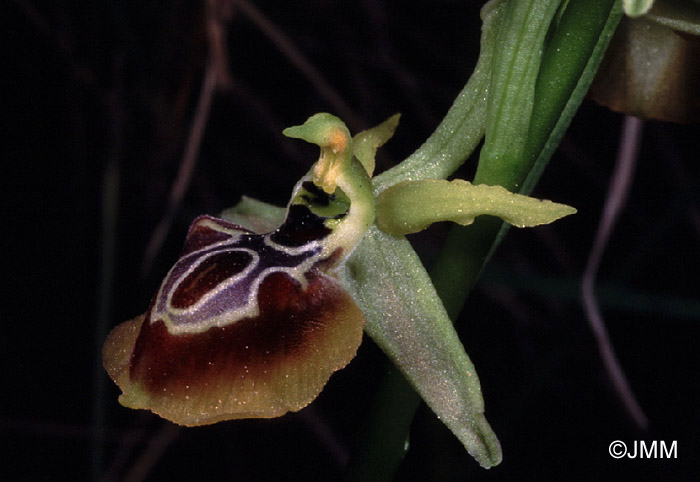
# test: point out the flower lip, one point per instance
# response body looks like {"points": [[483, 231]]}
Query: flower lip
{"points": [[247, 324], [262, 366]]}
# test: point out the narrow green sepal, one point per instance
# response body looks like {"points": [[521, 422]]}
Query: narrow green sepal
{"points": [[406, 319], [366, 143], [412, 206]]}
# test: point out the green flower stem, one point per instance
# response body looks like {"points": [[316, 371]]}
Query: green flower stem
{"points": [[384, 440]]}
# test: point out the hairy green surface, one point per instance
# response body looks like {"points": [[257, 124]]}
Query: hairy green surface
{"points": [[412, 206], [406, 318]]}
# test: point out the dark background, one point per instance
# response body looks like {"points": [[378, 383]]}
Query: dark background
{"points": [[112, 87]]}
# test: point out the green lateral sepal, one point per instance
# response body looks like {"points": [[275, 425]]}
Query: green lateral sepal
{"points": [[412, 206], [407, 320]]}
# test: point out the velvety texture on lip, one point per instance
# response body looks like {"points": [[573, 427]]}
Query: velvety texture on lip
{"points": [[262, 366], [253, 325], [244, 325]]}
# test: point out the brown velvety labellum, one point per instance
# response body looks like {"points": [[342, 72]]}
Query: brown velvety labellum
{"points": [[261, 366]]}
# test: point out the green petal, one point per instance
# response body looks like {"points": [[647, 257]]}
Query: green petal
{"points": [[366, 143], [412, 206]]}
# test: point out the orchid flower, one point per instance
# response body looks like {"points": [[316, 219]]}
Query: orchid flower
{"points": [[266, 303], [252, 325]]}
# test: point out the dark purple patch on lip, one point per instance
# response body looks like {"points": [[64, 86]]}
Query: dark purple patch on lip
{"points": [[300, 227], [316, 195], [209, 274]]}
